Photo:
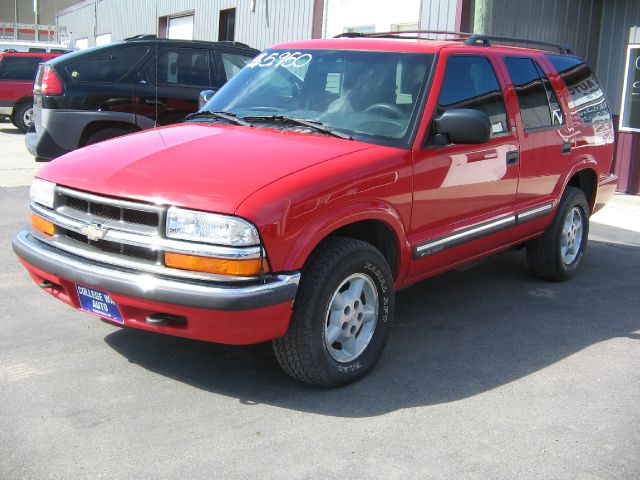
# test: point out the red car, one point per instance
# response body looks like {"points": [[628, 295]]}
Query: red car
{"points": [[17, 73], [325, 176]]}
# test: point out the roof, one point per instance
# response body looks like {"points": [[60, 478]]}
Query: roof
{"points": [[417, 43]]}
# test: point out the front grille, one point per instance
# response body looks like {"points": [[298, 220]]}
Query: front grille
{"points": [[114, 247], [114, 215], [110, 212]]}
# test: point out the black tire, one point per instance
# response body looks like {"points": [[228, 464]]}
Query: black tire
{"points": [[303, 352], [545, 256], [22, 116], [104, 134]]}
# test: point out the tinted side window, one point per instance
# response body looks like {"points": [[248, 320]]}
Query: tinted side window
{"points": [[233, 62], [184, 66], [583, 87], [470, 82], [106, 66], [533, 95], [19, 68]]}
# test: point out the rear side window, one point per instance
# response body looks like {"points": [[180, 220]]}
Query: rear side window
{"points": [[19, 68], [182, 66], [584, 88], [538, 102], [233, 63], [470, 82], [106, 66]]}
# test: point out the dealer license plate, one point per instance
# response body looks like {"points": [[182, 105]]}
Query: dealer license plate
{"points": [[99, 303]]}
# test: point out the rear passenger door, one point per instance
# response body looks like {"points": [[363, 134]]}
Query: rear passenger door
{"points": [[172, 83], [546, 141], [464, 194]]}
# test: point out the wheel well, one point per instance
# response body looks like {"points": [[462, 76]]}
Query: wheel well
{"points": [[378, 234], [95, 126], [585, 180]]}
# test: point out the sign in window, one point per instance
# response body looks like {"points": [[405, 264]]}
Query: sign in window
{"points": [[630, 114]]}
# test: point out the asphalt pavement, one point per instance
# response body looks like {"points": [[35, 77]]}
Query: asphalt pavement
{"points": [[488, 374]]}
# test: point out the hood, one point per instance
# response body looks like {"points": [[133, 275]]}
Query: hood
{"points": [[209, 167]]}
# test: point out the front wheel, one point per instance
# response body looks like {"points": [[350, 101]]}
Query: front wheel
{"points": [[341, 316], [558, 253]]}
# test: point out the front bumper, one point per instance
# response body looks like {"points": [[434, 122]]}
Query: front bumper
{"points": [[237, 314]]}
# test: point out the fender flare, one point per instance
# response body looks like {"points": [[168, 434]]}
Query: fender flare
{"points": [[320, 228]]}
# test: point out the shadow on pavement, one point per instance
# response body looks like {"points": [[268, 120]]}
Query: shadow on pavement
{"points": [[455, 336], [11, 130]]}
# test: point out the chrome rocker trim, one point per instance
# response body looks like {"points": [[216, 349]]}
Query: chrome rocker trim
{"points": [[278, 289]]}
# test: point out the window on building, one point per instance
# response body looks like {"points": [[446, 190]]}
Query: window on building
{"points": [[403, 27], [107, 66], [233, 63], [103, 39], [470, 82], [538, 103], [182, 66], [361, 29], [176, 27], [584, 88], [82, 43], [19, 68], [227, 25]]}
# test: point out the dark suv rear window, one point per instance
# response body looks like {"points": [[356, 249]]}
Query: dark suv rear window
{"points": [[19, 68], [106, 66], [584, 88]]}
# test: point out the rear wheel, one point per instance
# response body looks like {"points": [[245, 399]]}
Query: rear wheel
{"points": [[23, 116], [558, 253], [105, 134], [341, 316]]}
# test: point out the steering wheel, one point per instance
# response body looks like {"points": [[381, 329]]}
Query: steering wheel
{"points": [[386, 109]]}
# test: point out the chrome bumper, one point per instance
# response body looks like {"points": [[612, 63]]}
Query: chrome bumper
{"points": [[278, 289]]}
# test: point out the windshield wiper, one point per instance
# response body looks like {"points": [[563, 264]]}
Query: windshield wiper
{"points": [[317, 126], [228, 116]]}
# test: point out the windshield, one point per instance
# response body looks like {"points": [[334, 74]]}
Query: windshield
{"points": [[370, 96]]}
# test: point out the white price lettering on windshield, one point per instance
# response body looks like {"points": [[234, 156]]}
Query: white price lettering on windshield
{"points": [[284, 59]]}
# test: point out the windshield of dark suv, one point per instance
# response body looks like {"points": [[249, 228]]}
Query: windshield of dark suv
{"points": [[369, 96]]}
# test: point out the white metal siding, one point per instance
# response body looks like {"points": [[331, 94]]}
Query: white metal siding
{"points": [[438, 15], [272, 22]]}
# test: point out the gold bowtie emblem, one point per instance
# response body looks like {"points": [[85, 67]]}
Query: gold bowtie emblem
{"points": [[94, 232]]}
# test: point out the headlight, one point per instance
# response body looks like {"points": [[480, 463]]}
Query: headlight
{"points": [[210, 228], [42, 192]]}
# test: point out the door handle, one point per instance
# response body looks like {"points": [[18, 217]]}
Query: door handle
{"points": [[512, 157], [150, 101], [566, 147]]}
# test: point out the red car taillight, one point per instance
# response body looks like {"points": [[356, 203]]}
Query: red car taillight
{"points": [[49, 83]]}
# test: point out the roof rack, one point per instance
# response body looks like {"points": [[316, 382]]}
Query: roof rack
{"points": [[233, 42], [486, 41], [468, 38], [142, 36], [401, 34]]}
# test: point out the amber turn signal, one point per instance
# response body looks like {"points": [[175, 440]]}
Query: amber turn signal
{"points": [[42, 225], [236, 268]]}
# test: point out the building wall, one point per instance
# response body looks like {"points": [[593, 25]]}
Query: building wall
{"points": [[273, 21], [620, 26], [341, 15]]}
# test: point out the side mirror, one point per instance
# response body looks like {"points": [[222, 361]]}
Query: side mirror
{"points": [[464, 125], [204, 97]]}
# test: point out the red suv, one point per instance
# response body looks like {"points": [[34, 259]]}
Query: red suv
{"points": [[322, 178], [17, 73]]}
